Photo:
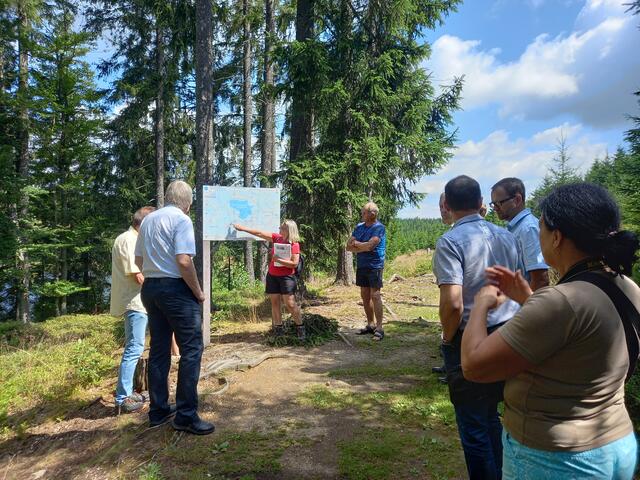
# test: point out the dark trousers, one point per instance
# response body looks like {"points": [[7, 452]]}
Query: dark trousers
{"points": [[172, 308], [476, 407]]}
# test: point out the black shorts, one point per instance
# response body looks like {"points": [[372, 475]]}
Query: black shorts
{"points": [[369, 277], [285, 285]]}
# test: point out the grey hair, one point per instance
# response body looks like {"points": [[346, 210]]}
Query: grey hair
{"points": [[179, 193], [372, 208]]}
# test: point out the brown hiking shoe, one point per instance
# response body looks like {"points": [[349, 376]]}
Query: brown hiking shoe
{"points": [[129, 405]]}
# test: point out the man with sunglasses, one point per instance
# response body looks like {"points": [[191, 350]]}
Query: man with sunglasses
{"points": [[507, 199]]}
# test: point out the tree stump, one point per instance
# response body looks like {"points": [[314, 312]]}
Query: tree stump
{"points": [[141, 375]]}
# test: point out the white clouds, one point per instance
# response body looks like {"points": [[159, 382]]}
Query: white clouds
{"points": [[589, 73], [498, 156]]}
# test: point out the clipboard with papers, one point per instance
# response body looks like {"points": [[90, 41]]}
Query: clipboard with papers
{"points": [[282, 251]]}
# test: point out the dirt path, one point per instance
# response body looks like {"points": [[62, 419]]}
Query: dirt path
{"points": [[335, 411]]}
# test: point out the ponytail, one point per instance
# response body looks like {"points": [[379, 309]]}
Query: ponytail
{"points": [[620, 251]]}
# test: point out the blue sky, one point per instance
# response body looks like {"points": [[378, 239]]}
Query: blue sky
{"points": [[534, 70]]}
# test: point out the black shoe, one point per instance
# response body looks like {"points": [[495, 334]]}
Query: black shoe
{"points": [[438, 370], [368, 330], [166, 418], [278, 330], [443, 380], [199, 427]]}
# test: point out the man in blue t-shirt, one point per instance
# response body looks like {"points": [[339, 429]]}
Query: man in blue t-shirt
{"points": [[369, 242]]}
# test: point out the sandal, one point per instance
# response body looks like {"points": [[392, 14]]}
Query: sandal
{"points": [[378, 335], [366, 330]]}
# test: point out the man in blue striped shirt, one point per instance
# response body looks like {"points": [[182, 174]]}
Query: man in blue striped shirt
{"points": [[459, 263]]}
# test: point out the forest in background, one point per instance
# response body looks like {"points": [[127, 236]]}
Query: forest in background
{"points": [[327, 99]]}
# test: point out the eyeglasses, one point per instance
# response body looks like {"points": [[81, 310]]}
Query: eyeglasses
{"points": [[499, 203]]}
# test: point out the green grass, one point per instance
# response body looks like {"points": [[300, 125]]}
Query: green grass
{"points": [[413, 432], [400, 334], [424, 403], [229, 455], [404, 268], [48, 363], [248, 303], [151, 471], [384, 453]]}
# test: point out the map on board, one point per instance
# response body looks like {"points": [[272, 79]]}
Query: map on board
{"points": [[257, 208]]}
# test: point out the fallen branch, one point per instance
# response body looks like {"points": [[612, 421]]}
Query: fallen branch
{"points": [[236, 364], [344, 338], [391, 312]]}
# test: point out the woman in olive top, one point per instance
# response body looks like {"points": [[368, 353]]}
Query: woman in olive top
{"points": [[281, 279], [564, 354]]}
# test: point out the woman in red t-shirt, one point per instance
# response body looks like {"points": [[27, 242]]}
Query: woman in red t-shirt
{"points": [[281, 279]]}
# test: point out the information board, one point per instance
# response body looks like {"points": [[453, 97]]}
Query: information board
{"points": [[257, 208]]}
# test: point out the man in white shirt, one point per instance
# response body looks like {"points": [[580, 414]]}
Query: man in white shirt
{"points": [[126, 279], [172, 295]]}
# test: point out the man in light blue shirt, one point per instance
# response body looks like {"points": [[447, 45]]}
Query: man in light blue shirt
{"points": [[507, 199], [172, 295], [461, 257]]}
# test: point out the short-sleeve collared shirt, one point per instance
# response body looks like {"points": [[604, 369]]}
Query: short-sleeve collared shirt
{"points": [[525, 227], [465, 251], [125, 291], [165, 233]]}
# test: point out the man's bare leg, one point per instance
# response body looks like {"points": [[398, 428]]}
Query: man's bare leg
{"points": [[365, 294], [376, 300]]}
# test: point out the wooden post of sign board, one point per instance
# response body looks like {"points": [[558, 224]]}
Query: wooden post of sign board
{"points": [[206, 287]]}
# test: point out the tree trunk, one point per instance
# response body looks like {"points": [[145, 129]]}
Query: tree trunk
{"points": [[159, 117], [204, 112], [246, 154], [23, 264], [301, 109], [268, 152], [344, 273]]}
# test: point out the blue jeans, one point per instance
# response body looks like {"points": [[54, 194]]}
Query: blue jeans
{"points": [[613, 461], [172, 308], [135, 325], [476, 407]]}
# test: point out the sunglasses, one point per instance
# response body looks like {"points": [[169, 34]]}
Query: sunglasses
{"points": [[499, 203]]}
